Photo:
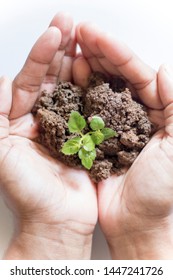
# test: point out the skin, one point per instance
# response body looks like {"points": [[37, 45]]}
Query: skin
{"points": [[135, 209], [49, 200]]}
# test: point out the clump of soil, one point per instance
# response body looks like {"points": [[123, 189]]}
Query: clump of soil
{"points": [[107, 98]]}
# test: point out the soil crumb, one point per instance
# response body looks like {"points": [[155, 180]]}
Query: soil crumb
{"points": [[108, 98]]}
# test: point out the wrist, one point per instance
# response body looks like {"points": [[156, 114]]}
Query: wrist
{"points": [[153, 243], [41, 241]]}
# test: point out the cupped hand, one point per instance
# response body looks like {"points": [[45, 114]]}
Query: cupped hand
{"points": [[36, 187], [136, 208]]}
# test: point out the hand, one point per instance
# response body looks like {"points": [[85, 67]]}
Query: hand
{"points": [[135, 209], [55, 206]]}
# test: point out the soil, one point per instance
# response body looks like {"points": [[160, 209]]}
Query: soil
{"points": [[105, 97]]}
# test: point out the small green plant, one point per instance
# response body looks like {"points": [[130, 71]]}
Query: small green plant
{"points": [[85, 144]]}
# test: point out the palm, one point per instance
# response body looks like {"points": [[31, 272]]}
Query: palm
{"points": [[51, 188], [39, 183], [139, 192]]}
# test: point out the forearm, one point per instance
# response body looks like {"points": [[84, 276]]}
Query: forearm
{"points": [[142, 246], [49, 242]]}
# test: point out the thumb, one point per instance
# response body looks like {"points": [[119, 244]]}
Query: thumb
{"points": [[5, 106], [165, 86]]}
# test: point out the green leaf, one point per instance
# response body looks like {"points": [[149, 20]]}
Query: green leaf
{"points": [[72, 146], [97, 137], [92, 154], [88, 143], [76, 122], [87, 162], [97, 123], [108, 133], [84, 154], [87, 157]]}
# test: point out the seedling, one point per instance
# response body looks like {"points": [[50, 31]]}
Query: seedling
{"points": [[85, 144]]}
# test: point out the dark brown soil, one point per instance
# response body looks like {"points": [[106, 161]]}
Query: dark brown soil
{"points": [[109, 99]]}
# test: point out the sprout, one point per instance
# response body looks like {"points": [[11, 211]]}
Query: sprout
{"points": [[85, 144]]}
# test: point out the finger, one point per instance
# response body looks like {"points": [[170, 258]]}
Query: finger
{"points": [[27, 84], [91, 52], [62, 62], [5, 106], [165, 85], [117, 59], [64, 23], [157, 118], [67, 61], [81, 71]]}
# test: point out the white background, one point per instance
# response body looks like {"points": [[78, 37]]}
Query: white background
{"points": [[145, 25]]}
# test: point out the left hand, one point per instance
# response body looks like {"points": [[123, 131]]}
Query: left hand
{"points": [[135, 208], [55, 206]]}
